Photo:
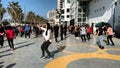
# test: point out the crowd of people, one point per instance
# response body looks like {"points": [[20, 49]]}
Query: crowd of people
{"points": [[84, 32], [12, 32], [36, 30]]}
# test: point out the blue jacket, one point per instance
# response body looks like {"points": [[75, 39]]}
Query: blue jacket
{"points": [[27, 28]]}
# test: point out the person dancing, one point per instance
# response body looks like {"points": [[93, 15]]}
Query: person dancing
{"points": [[46, 43]]}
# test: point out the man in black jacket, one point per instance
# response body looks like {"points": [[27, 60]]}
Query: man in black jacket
{"points": [[56, 31]]}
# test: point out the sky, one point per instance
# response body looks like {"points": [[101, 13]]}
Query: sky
{"points": [[40, 7]]}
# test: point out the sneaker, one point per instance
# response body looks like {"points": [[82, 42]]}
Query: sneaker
{"points": [[113, 45], [102, 47], [11, 49], [42, 57]]}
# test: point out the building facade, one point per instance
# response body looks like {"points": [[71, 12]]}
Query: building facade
{"points": [[104, 11], [79, 11], [59, 3], [65, 12], [51, 15]]}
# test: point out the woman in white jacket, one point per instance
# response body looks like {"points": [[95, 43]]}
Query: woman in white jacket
{"points": [[46, 34]]}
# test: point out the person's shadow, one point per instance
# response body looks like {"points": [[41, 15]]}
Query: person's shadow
{"points": [[11, 65], [59, 49], [1, 64]]}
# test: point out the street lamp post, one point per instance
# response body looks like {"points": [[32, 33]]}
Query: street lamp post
{"points": [[115, 4]]}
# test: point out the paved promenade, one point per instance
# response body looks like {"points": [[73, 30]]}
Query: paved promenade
{"points": [[75, 54]]}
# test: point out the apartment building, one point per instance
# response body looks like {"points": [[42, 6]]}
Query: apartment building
{"points": [[59, 3], [65, 12], [51, 15], [79, 12]]}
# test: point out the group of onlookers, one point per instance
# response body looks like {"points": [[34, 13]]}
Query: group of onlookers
{"points": [[85, 32], [11, 33], [105, 30], [81, 31], [60, 30]]}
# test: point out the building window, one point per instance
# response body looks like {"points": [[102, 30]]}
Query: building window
{"points": [[84, 19], [68, 10], [103, 8], [57, 17], [95, 11], [68, 16], [79, 15], [79, 19], [119, 1], [62, 11], [84, 15], [100, 9], [62, 17], [79, 10], [68, 1]]}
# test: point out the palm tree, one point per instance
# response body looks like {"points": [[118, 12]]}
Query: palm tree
{"points": [[30, 17], [33, 18], [2, 12], [37, 19], [15, 11]]}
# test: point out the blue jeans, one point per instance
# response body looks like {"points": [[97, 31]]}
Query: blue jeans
{"points": [[100, 40]]}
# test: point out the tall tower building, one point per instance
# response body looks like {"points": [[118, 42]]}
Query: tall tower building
{"points": [[59, 5]]}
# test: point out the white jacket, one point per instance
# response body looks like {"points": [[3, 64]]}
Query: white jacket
{"points": [[46, 37], [83, 30]]}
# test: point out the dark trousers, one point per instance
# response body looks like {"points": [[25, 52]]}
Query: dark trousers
{"points": [[61, 35], [27, 34], [1, 40], [88, 36], [56, 39], [44, 47], [110, 38], [10, 42], [56, 36], [83, 37], [21, 34]]}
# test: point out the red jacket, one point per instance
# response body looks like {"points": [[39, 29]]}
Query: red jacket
{"points": [[89, 29], [9, 34]]}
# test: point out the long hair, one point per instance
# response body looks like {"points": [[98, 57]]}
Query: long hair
{"points": [[108, 25], [48, 27]]}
